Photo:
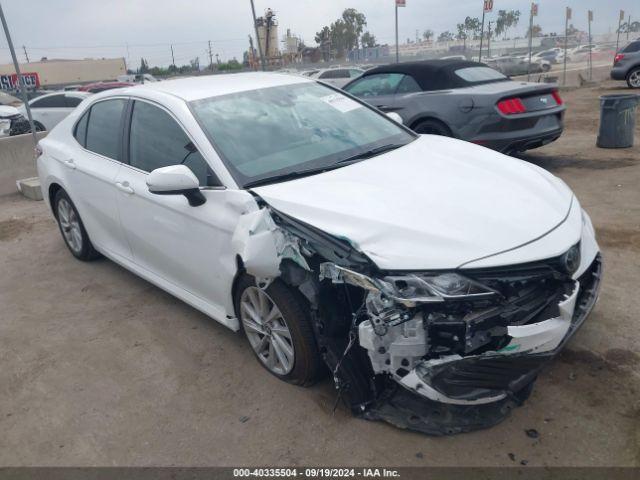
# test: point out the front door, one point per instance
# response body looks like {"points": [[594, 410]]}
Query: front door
{"points": [[185, 246]]}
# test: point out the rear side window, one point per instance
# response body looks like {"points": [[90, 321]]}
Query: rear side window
{"points": [[376, 85], [81, 129], [104, 128], [72, 102], [53, 101], [156, 140], [408, 85], [632, 47], [479, 74]]}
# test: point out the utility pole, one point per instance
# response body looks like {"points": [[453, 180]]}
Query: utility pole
{"points": [[481, 35], [128, 57], [532, 13], [210, 57], [566, 40], [590, 19], [628, 27], [397, 46], [21, 83], [489, 41], [173, 60], [620, 19], [25, 53], [255, 26]]}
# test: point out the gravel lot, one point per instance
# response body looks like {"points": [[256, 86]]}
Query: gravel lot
{"points": [[98, 367]]}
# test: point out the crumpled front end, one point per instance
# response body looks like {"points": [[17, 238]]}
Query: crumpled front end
{"points": [[439, 352]]}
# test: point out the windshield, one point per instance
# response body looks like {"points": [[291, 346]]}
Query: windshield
{"points": [[271, 132]]}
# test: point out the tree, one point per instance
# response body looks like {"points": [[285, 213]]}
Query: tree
{"points": [[506, 20], [472, 25], [536, 31], [446, 36], [354, 23], [368, 40], [342, 35], [635, 27], [427, 34]]}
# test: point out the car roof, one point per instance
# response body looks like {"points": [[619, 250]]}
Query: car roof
{"points": [[430, 74], [196, 88]]}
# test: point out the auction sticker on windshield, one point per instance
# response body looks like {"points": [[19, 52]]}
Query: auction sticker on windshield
{"points": [[340, 102]]}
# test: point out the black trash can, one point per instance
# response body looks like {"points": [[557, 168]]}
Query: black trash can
{"points": [[617, 120]]}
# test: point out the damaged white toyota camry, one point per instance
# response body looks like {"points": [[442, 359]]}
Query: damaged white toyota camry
{"points": [[431, 277]]}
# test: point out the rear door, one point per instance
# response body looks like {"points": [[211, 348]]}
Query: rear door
{"points": [[93, 163]]}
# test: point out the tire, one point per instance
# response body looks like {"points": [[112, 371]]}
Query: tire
{"points": [[633, 78], [546, 68], [432, 127], [306, 366], [72, 229]]}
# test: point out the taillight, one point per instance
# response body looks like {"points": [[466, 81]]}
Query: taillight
{"points": [[511, 106], [557, 97], [618, 57]]}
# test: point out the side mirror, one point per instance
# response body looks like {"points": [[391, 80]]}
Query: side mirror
{"points": [[395, 117], [176, 180]]}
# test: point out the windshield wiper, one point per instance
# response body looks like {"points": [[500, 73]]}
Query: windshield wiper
{"points": [[372, 153], [311, 171], [291, 175]]}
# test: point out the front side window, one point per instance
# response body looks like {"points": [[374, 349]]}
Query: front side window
{"points": [[266, 133], [156, 141], [103, 128], [375, 85], [408, 85]]}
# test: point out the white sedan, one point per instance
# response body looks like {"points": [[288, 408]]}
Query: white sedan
{"points": [[48, 110], [431, 277]]}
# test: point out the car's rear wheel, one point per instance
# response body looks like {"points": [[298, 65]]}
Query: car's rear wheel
{"points": [[72, 229], [432, 127], [276, 323], [633, 78]]}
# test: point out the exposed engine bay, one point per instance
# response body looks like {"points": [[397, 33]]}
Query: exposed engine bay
{"points": [[439, 352]]}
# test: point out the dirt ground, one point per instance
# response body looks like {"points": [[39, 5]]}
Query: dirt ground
{"points": [[98, 367]]}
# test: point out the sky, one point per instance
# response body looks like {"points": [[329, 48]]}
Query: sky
{"points": [[146, 28]]}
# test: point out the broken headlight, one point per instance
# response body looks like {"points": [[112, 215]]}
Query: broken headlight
{"points": [[412, 288], [417, 287]]}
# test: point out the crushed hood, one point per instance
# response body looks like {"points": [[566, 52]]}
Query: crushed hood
{"points": [[435, 203]]}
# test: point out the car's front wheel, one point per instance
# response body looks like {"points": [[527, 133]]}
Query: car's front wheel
{"points": [[72, 229], [633, 79], [276, 323]]}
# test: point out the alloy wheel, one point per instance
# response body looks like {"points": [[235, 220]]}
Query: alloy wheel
{"points": [[267, 330], [70, 225], [634, 79]]}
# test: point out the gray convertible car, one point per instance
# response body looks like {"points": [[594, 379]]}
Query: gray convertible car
{"points": [[466, 100]]}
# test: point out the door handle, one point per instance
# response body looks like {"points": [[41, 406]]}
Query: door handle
{"points": [[124, 187], [70, 164]]}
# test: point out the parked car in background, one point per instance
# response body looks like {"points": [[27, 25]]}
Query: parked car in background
{"points": [[338, 77], [515, 66], [137, 78], [98, 87], [12, 122], [626, 65], [48, 110], [434, 300], [466, 100], [553, 55]]}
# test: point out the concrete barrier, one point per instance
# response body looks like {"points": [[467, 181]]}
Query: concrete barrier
{"points": [[16, 161]]}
